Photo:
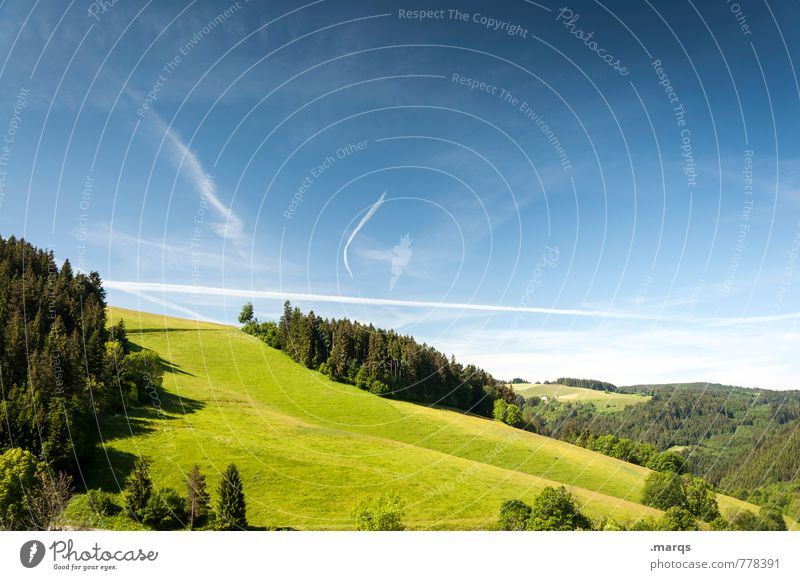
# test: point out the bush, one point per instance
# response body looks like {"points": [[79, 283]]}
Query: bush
{"points": [[701, 500], [382, 513], [771, 519], [678, 519], [745, 521], [81, 513], [719, 524], [377, 387], [17, 480], [664, 490], [103, 502], [554, 510], [645, 525], [609, 524], [514, 515], [165, 510], [508, 413], [667, 462], [142, 374]]}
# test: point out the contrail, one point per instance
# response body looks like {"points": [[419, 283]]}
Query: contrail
{"points": [[361, 224], [137, 288], [151, 287]]}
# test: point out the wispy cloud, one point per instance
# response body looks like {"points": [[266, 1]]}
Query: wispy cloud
{"points": [[754, 357], [230, 226]]}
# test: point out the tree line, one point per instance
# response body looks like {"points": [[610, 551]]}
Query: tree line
{"points": [[738, 439], [593, 384], [380, 361], [61, 368]]}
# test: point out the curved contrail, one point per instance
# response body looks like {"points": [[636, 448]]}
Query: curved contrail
{"points": [[370, 212]]}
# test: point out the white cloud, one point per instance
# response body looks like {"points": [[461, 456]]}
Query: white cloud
{"points": [[750, 356]]}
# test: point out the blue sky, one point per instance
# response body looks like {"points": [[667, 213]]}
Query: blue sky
{"points": [[606, 190]]}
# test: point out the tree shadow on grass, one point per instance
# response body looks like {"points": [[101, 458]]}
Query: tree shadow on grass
{"points": [[178, 404], [108, 469], [167, 366]]}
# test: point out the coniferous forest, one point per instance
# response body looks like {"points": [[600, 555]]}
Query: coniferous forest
{"points": [[380, 361], [61, 368]]}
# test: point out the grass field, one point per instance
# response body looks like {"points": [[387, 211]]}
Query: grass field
{"points": [[308, 447], [604, 401]]}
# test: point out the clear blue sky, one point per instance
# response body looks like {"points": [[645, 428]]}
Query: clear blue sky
{"points": [[629, 171]]}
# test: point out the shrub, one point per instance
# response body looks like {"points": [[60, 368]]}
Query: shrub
{"points": [[382, 513], [664, 490], [771, 519], [17, 480], [103, 502], [165, 510], [142, 373], [719, 524], [554, 510], [508, 413], [645, 525], [701, 500], [514, 515], [678, 519], [667, 462], [377, 387], [609, 524], [745, 521]]}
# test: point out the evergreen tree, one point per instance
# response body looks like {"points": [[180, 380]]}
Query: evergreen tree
{"points": [[138, 488], [197, 498], [231, 508], [120, 334]]}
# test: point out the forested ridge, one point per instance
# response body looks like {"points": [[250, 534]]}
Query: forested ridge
{"points": [[380, 361], [746, 442], [52, 338], [61, 371]]}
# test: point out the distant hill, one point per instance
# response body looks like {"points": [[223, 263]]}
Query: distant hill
{"points": [[738, 438], [604, 401]]}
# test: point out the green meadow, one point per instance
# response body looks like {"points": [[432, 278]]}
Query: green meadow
{"points": [[308, 448], [603, 400]]}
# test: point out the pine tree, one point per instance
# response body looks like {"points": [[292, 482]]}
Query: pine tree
{"points": [[138, 488], [231, 509], [197, 498], [119, 334]]}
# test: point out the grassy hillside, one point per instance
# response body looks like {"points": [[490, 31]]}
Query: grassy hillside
{"points": [[603, 400], [308, 447]]}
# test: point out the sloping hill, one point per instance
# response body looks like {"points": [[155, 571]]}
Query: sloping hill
{"points": [[308, 447], [603, 400]]}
